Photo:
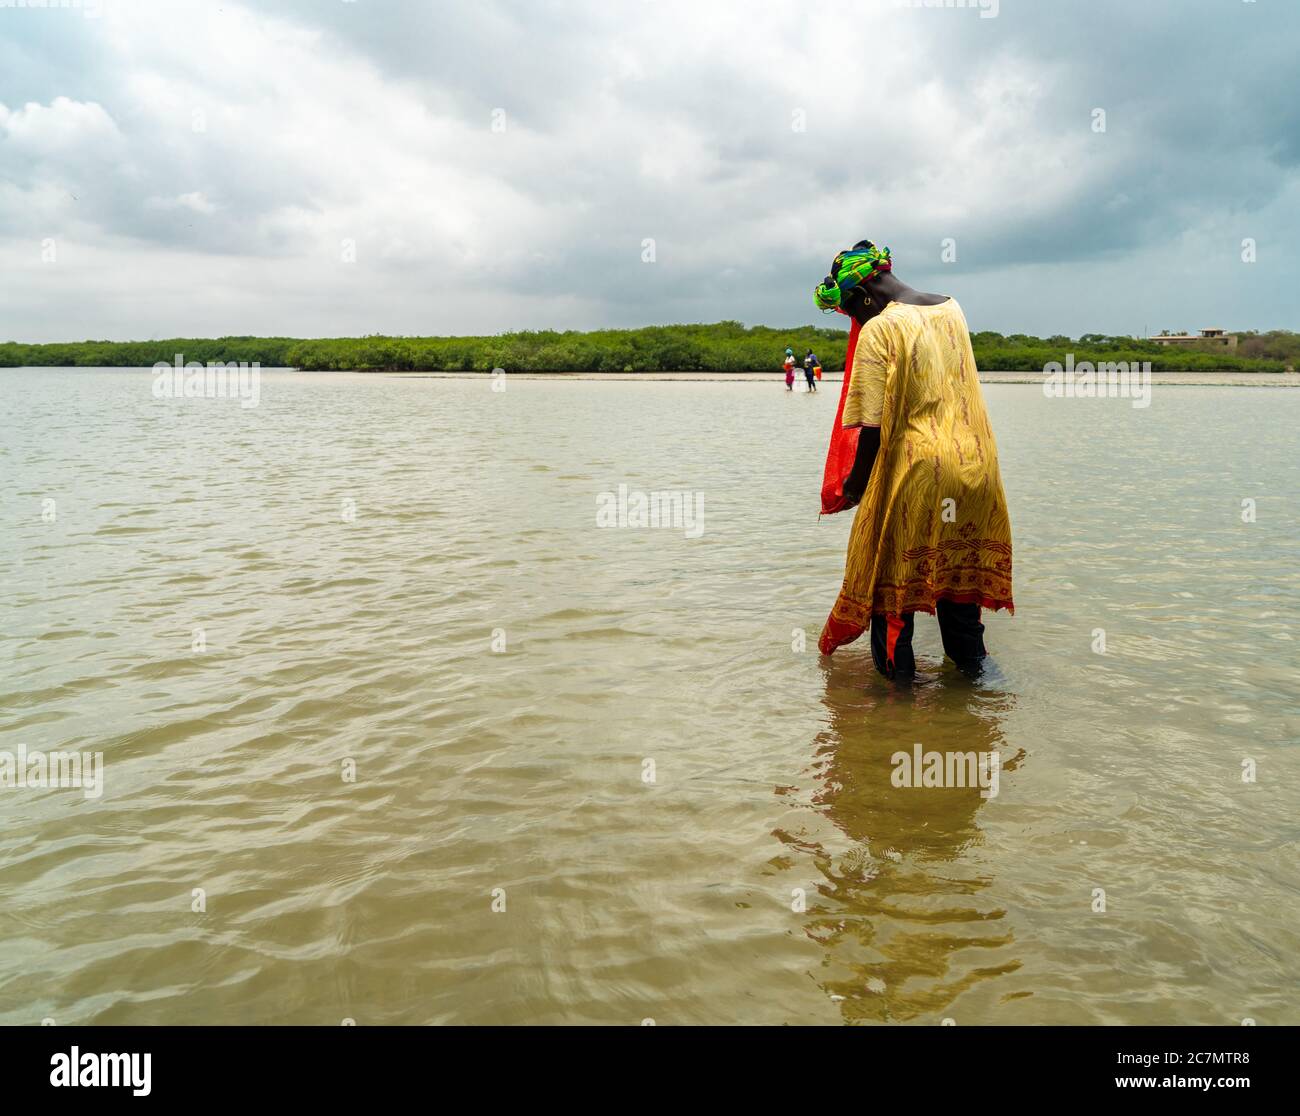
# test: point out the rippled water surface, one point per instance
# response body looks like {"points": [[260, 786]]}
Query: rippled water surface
{"points": [[770, 872]]}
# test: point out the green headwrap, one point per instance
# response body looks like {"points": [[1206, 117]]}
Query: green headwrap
{"points": [[849, 269]]}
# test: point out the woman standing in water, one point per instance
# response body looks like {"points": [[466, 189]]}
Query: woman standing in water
{"points": [[913, 450]]}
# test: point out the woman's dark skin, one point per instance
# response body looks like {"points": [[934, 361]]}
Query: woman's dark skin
{"points": [[863, 303]]}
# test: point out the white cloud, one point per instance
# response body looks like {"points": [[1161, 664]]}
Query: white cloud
{"points": [[239, 167], [61, 129]]}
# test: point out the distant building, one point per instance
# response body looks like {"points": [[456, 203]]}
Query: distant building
{"points": [[1211, 336]]}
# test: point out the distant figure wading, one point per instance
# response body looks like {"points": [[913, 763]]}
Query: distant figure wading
{"points": [[810, 369], [912, 449]]}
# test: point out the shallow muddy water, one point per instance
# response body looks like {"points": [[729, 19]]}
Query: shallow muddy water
{"points": [[393, 731]]}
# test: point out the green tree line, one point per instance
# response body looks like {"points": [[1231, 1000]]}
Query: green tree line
{"points": [[720, 347]]}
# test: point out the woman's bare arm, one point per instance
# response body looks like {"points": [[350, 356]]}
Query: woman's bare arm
{"points": [[868, 446]]}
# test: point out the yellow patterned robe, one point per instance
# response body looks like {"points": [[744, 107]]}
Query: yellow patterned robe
{"points": [[933, 522]]}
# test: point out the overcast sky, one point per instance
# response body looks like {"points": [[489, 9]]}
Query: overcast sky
{"points": [[179, 168]]}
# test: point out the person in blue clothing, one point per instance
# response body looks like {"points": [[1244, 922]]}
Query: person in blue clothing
{"points": [[809, 365]]}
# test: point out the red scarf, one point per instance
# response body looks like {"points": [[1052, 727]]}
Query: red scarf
{"points": [[844, 443]]}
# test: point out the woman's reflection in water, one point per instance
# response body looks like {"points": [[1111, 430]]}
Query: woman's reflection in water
{"points": [[900, 909]]}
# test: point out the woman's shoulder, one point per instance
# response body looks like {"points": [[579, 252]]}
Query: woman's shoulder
{"points": [[917, 317], [895, 321]]}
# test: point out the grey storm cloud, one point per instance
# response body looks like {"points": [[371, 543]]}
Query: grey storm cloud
{"points": [[197, 167]]}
